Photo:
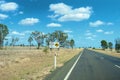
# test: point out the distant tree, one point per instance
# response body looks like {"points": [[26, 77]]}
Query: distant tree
{"points": [[30, 39], [39, 38], [104, 44], [14, 40], [110, 45], [72, 43], [58, 36], [3, 33], [117, 45]]}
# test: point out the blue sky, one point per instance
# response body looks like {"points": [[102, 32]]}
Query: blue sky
{"points": [[86, 21]]}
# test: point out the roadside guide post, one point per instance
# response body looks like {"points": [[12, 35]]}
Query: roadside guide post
{"points": [[55, 45]]}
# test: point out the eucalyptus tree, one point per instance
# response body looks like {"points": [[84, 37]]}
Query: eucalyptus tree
{"points": [[38, 37], [117, 45], [110, 45], [60, 36], [104, 44], [30, 39], [72, 43], [3, 33], [14, 40]]}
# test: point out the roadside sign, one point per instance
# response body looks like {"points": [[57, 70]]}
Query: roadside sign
{"points": [[54, 45]]}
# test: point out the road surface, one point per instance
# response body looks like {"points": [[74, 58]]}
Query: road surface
{"points": [[91, 65]]}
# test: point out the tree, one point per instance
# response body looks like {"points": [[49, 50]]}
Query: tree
{"points": [[117, 45], [72, 43], [30, 39], [104, 44], [3, 33], [39, 38], [14, 40], [60, 36], [110, 45]]}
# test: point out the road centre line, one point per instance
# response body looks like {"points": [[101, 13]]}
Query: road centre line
{"points": [[68, 74], [117, 66]]}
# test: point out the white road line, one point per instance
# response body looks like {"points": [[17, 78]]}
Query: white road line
{"points": [[117, 66], [68, 74]]}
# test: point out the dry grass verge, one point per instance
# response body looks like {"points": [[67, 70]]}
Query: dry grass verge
{"points": [[108, 52], [24, 64]]}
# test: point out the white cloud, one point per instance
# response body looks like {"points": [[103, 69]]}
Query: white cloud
{"points": [[10, 6], [21, 12], [68, 31], [17, 33], [3, 16], [29, 21], [53, 25], [90, 35], [99, 30], [67, 13], [99, 23], [96, 23], [90, 38], [109, 23], [109, 32]]}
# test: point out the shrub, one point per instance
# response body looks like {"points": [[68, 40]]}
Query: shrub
{"points": [[45, 50]]}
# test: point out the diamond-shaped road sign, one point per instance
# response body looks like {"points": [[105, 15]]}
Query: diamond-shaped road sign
{"points": [[54, 44]]}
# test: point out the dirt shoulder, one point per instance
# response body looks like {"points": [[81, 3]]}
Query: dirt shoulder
{"points": [[108, 52], [25, 64]]}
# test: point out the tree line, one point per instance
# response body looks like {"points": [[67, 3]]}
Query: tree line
{"points": [[39, 37], [106, 45]]}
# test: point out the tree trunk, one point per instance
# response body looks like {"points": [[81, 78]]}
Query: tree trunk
{"points": [[1, 44], [38, 45]]}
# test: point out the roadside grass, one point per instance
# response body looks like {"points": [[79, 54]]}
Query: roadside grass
{"points": [[23, 63], [108, 52]]}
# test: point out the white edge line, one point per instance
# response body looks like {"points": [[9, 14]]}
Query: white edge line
{"points": [[117, 66], [68, 74]]}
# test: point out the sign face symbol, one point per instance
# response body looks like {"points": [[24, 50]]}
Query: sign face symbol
{"points": [[56, 44]]}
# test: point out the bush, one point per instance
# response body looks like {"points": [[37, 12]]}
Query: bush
{"points": [[45, 50]]}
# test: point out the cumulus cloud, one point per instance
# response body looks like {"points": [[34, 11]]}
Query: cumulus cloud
{"points": [[3, 16], [65, 12], [10, 6], [96, 23], [99, 30], [21, 12], [29, 21], [68, 31], [90, 35], [99, 23], [53, 25], [17, 33], [109, 32]]}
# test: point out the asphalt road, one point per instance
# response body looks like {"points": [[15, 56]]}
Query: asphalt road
{"points": [[89, 65], [95, 66]]}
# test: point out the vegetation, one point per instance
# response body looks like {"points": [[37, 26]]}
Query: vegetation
{"points": [[30, 39], [110, 45], [3, 33], [117, 45], [72, 43], [46, 50], [104, 44]]}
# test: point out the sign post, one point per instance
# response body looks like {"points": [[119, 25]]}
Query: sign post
{"points": [[54, 45], [55, 61]]}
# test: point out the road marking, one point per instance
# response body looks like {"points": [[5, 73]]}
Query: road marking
{"points": [[68, 74], [117, 66]]}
